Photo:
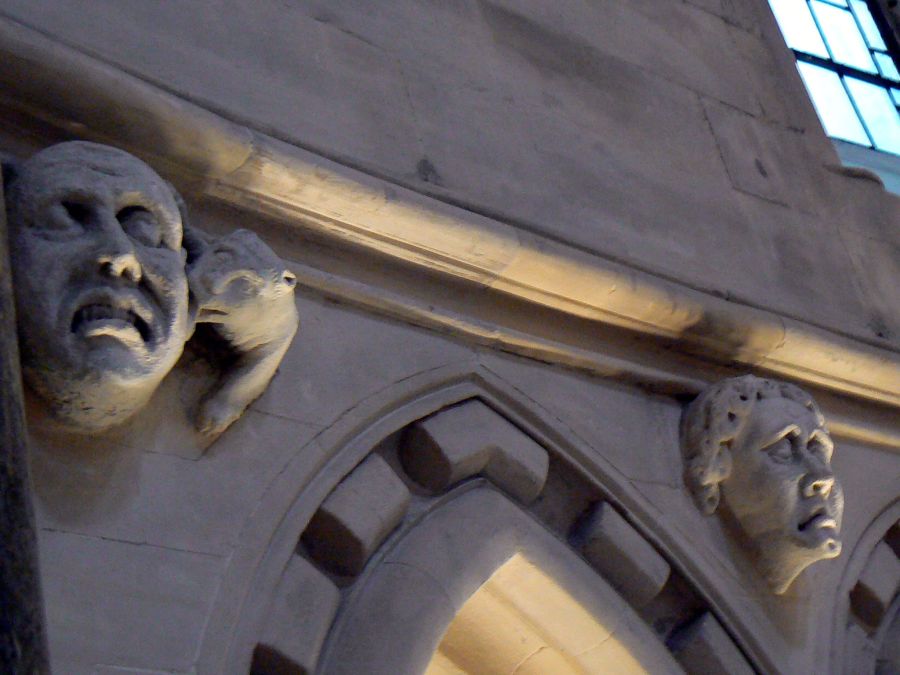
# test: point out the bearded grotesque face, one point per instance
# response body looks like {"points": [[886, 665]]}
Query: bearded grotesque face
{"points": [[758, 450], [100, 284]]}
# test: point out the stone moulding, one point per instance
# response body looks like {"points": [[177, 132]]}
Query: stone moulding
{"points": [[253, 171]]}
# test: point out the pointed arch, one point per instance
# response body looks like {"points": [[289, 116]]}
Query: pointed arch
{"points": [[268, 543]]}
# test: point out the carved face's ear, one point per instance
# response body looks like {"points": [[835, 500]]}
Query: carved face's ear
{"points": [[709, 474], [720, 466]]}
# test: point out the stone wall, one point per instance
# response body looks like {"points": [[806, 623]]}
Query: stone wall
{"points": [[679, 140], [673, 139]]}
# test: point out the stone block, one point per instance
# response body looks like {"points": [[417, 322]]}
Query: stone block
{"points": [[403, 596], [877, 585], [704, 648], [628, 428], [303, 607], [265, 62], [113, 602], [85, 486], [330, 369], [616, 550], [469, 439], [356, 517], [742, 143], [700, 64], [875, 269]]}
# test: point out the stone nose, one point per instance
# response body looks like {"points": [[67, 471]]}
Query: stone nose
{"points": [[117, 257], [817, 482]]}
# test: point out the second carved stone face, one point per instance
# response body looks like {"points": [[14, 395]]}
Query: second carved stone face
{"points": [[781, 490], [101, 291]]}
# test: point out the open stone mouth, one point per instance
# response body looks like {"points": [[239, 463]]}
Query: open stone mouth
{"points": [[100, 312], [817, 520]]}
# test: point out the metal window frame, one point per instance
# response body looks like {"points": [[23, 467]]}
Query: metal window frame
{"points": [[842, 70]]}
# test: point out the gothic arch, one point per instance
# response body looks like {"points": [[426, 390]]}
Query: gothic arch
{"points": [[297, 533]]}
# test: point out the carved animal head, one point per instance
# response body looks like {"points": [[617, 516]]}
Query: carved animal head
{"points": [[235, 271]]}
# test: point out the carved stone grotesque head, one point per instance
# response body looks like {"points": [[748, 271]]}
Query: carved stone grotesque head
{"points": [[100, 283], [759, 450]]}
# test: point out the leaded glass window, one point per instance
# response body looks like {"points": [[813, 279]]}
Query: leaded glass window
{"points": [[847, 58]]}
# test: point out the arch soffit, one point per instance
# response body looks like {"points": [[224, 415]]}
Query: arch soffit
{"points": [[448, 556]]}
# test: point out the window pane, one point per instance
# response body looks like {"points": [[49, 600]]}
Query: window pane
{"points": [[870, 29], [887, 67], [896, 94], [879, 113], [842, 3], [798, 27], [842, 34], [832, 104]]}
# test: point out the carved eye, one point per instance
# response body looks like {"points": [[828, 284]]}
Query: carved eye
{"points": [[781, 450], [141, 225], [289, 279], [67, 217], [820, 450], [80, 213]]}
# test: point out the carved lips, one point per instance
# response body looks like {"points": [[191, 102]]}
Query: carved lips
{"points": [[818, 527], [121, 315]]}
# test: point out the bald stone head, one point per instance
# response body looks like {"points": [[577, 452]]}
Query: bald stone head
{"points": [[100, 285]]}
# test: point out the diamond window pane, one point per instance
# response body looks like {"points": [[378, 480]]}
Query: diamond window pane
{"points": [[878, 112], [895, 93], [798, 27], [832, 103], [843, 37], [868, 25], [887, 66]]}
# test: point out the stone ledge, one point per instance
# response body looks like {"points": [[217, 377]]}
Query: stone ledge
{"points": [[86, 97]]}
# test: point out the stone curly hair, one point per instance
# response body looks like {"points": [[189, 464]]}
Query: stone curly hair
{"points": [[713, 420]]}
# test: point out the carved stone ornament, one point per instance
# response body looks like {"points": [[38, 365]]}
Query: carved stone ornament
{"points": [[109, 286], [758, 451]]}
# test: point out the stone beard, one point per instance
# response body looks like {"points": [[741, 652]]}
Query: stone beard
{"points": [[100, 283], [759, 450]]}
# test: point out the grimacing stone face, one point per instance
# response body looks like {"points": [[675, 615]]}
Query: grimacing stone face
{"points": [[100, 284], [782, 490], [759, 450]]}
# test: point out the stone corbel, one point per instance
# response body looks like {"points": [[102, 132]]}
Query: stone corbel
{"points": [[757, 451], [110, 283]]}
